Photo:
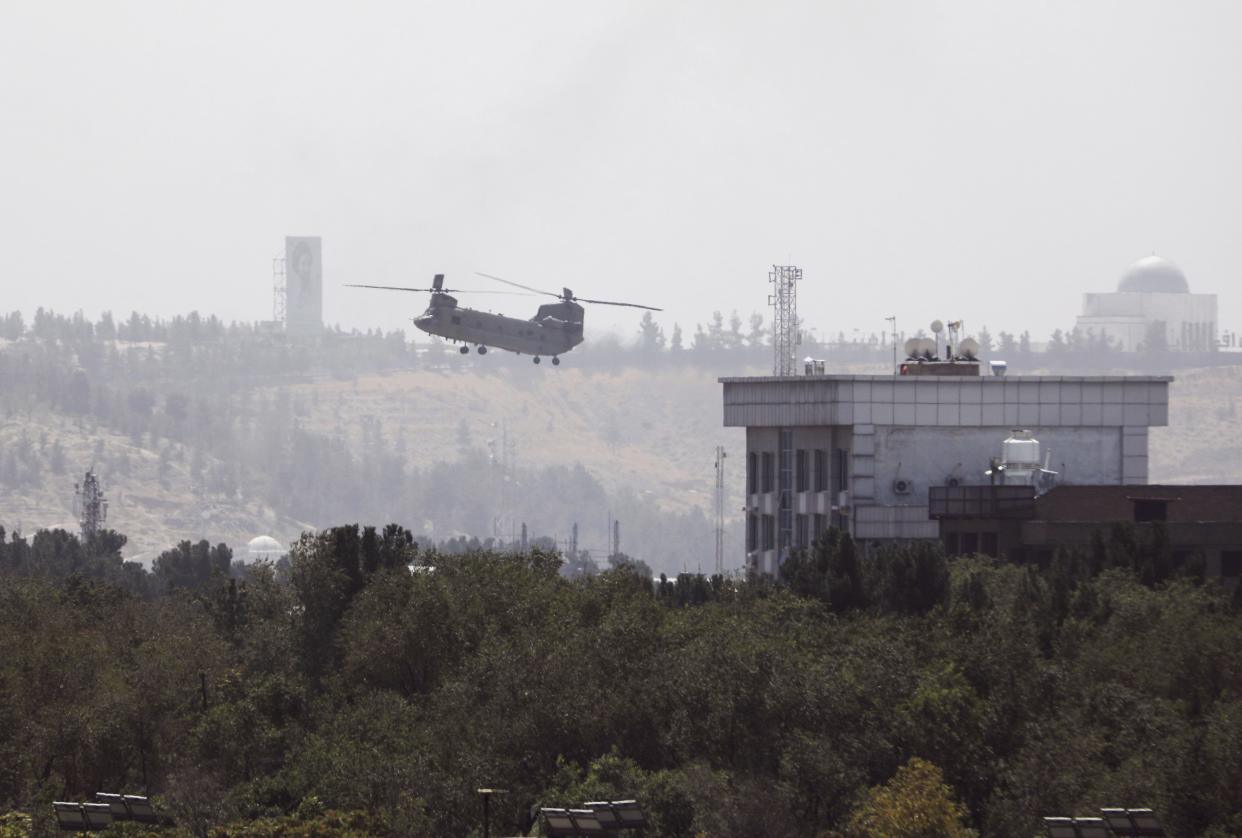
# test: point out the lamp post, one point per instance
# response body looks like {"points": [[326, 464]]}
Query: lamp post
{"points": [[486, 794]]}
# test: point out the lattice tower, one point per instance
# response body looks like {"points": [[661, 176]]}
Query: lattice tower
{"points": [[784, 302]]}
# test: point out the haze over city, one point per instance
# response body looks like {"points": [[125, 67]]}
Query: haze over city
{"points": [[914, 159]]}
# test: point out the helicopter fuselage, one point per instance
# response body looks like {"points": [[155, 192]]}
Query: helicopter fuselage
{"points": [[556, 328]]}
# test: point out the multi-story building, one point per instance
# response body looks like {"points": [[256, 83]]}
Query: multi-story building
{"points": [[861, 451]]}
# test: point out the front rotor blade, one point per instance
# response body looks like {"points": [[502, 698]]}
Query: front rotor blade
{"points": [[443, 290], [614, 303], [388, 287], [517, 284]]}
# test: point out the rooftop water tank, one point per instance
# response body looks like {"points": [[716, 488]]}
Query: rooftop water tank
{"points": [[1020, 449]]}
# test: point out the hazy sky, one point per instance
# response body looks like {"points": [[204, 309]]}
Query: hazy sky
{"points": [[983, 160]]}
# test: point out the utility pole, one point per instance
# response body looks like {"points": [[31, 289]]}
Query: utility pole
{"points": [[616, 539], [720, 505], [893, 322]]}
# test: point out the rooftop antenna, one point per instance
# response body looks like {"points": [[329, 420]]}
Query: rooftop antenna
{"points": [[784, 302]]}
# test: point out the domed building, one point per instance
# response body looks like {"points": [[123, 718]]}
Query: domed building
{"points": [[264, 547], [1152, 309]]}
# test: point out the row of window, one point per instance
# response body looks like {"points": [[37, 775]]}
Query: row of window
{"points": [[761, 531], [811, 471]]}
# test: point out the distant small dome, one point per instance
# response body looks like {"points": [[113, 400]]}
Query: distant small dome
{"points": [[264, 547], [1151, 274]]}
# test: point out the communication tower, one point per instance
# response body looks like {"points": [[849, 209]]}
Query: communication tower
{"points": [[784, 302], [279, 297], [720, 505], [616, 539], [91, 506]]}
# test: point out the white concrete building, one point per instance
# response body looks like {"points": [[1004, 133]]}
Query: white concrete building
{"points": [[861, 451], [1152, 297]]}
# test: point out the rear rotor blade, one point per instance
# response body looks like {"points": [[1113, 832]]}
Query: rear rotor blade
{"points": [[614, 303], [517, 284]]}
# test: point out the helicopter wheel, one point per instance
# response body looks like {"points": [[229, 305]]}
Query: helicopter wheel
{"points": [[556, 362], [482, 350], [536, 359], [465, 350]]}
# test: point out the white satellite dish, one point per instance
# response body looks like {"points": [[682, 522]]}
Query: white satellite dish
{"points": [[912, 347], [969, 348], [937, 327]]}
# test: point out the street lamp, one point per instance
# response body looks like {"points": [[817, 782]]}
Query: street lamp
{"points": [[486, 794]]}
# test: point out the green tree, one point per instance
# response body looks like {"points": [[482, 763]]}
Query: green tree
{"points": [[915, 803]]}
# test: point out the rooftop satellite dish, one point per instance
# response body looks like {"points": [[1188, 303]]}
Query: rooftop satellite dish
{"points": [[937, 326], [969, 348], [912, 347]]}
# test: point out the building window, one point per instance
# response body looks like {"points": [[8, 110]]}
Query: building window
{"points": [[801, 480], [821, 524], [752, 474], [952, 544], [769, 532], [769, 472], [802, 532], [1151, 510], [821, 470], [843, 477], [988, 544], [970, 543], [752, 532], [1231, 564]]}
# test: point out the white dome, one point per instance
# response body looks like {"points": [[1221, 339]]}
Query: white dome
{"points": [[1153, 274], [264, 547]]}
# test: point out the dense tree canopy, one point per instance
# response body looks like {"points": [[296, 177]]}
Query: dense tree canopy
{"points": [[370, 687]]}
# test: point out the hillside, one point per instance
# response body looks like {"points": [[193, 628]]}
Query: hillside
{"points": [[154, 511], [646, 436]]}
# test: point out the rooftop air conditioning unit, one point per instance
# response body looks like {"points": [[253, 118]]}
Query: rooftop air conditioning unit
{"points": [[953, 481]]}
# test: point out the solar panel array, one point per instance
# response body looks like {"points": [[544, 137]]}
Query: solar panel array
{"points": [[1115, 823]]}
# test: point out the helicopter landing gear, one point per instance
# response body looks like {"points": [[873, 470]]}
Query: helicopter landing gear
{"points": [[536, 359], [556, 362], [465, 350], [482, 350]]}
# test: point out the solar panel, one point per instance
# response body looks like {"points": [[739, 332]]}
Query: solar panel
{"points": [[608, 818], [560, 823], [98, 816], [1146, 822], [586, 823], [116, 803], [629, 814], [1119, 822], [140, 809], [1092, 828], [1060, 828], [69, 816]]}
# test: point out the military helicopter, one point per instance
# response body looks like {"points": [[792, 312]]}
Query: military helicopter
{"points": [[555, 329]]}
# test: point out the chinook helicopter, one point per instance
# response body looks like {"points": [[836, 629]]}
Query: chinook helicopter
{"points": [[555, 329]]}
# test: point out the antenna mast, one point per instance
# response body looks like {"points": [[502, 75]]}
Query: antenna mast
{"points": [[92, 507], [720, 504], [278, 291], [784, 302]]}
